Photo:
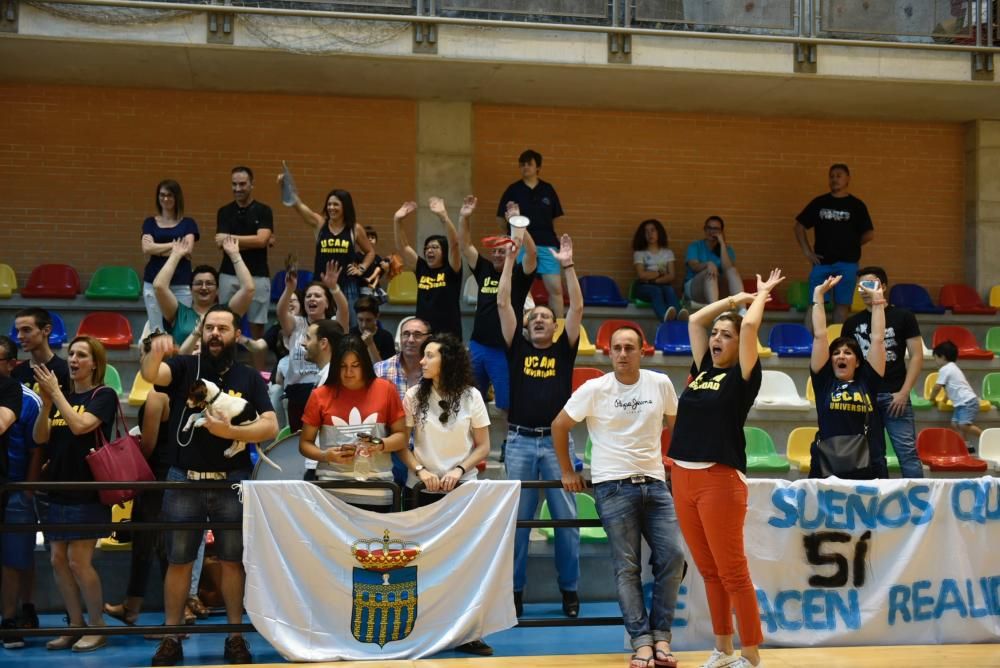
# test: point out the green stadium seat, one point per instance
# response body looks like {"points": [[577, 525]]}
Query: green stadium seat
{"points": [[112, 379], [586, 509], [114, 282], [762, 457]]}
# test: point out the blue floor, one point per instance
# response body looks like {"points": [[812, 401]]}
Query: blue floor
{"points": [[206, 649]]}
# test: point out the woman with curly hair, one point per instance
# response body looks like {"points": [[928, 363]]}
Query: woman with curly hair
{"points": [[654, 266], [449, 419]]}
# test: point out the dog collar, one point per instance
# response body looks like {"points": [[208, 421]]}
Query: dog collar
{"points": [[212, 400]]}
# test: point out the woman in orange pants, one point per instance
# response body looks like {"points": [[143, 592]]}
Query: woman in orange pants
{"points": [[709, 472]]}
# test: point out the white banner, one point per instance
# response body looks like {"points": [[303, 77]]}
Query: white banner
{"points": [[889, 562], [327, 581]]}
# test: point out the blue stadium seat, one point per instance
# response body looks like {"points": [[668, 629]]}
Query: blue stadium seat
{"points": [[672, 338], [913, 297], [789, 339], [601, 291]]}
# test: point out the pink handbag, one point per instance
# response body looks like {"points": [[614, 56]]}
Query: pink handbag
{"points": [[120, 460]]}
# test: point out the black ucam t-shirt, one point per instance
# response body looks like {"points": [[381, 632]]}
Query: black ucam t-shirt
{"points": [[900, 326], [843, 408], [25, 374], [11, 397], [711, 413], [541, 380], [66, 452], [438, 292], [486, 327], [839, 223], [198, 449]]}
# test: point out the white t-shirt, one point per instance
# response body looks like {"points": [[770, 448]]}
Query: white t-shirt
{"points": [[650, 261], [439, 447], [624, 422], [955, 384], [300, 370]]}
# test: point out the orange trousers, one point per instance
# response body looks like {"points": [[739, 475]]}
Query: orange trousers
{"points": [[711, 507]]}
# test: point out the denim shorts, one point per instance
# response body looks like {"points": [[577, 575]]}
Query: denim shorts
{"points": [[843, 292], [547, 262], [80, 513], [966, 413], [197, 505], [18, 547]]}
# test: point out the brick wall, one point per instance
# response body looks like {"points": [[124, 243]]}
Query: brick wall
{"points": [[613, 169], [79, 166]]}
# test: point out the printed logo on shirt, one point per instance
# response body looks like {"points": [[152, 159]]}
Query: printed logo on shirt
{"points": [[702, 383], [835, 215], [846, 400], [59, 421], [334, 245], [539, 366], [490, 286], [632, 406], [431, 282], [546, 201], [864, 340]]}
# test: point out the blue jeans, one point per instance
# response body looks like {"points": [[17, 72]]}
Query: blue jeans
{"points": [[903, 434], [661, 296], [533, 458], [630, 512], [489, 366]]}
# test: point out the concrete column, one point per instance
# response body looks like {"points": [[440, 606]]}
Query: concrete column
{"points": [[444, 162], [982, 204]]}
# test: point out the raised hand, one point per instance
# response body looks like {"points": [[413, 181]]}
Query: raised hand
{"points": [[182, 246], [331, 275], [771, 282], [405, 210], [565, 253], [48, 383], [468, 206], [437, 207], [231, 245], [874, 293], [825, 287], [513, 209]]}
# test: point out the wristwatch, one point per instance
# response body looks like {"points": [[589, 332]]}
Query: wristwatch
{"points": [[419, 468]]}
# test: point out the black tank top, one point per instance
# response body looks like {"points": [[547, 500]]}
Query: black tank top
{"points": [[336, 247]]}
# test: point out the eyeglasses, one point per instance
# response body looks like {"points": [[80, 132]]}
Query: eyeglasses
{"points": [[414, 335], [204, 284]]}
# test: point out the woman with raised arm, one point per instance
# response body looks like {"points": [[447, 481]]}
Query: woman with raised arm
{"points": [[846, 386], [158, 234], [709, 473]]}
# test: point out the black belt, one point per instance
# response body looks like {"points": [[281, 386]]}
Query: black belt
{"points": [[530, 431], [640, 479]]}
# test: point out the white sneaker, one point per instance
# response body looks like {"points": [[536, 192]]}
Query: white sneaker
{"points": [[745, 663], [720, 659]]}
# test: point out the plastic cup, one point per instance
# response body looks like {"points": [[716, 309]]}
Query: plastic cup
{"points": [[518, 225]]}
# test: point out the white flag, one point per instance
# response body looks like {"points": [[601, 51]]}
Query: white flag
{"points": [[328, 582]]}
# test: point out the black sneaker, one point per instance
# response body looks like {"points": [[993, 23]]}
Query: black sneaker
{"points": [[571, 603], [477, 647], [169, 653], [237, 650], [11, 642], [28, 619], [519, 603]]}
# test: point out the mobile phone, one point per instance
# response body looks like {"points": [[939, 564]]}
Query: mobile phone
{"points": [[868, 285]]}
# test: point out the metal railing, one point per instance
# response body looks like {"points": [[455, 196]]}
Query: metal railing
{"points": [[223, 484]]}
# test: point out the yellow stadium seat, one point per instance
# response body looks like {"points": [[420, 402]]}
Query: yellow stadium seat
{"points": [[857, 304], [810, 392], [763, 352], [834, 330], [403, 288], [585, 347], [799, 443], [112, 542], [8, 281], [140, 388], [995, 296], [943, 402]]}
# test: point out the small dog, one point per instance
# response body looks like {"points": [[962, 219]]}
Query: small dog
{"points": [[206, 397]]}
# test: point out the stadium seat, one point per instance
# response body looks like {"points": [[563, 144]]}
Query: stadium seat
{"points": [[993, 340], [582, 374], [58, 281], [789, 339], [114, 282], [798, 295], [140, 388], [639, 303], [891, 460], [112, 379], [964, 300], [775, 304], [968, 347], [995, 296], [57, 337], [284, 432], [991, 388], [943, 403], [777, 391], [810, 392], [585, 347], [944, 450], [799, 447], [763, 351], [403, 288], [586, 509], [919, 403], [113, 543], [672, 338], [8, 281], [857, 303], [608, 326], [539, 294], [110, 328], [989, 447], [761, 454], [601, 291], [834, 330], [302, 280], [914, 298], [470, 291]]}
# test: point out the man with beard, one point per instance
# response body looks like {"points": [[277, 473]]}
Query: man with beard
{"points": [[33, 326], [199, 455]]}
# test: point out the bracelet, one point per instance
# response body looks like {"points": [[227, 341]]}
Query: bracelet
{"points": [[732, 304], [567, 266], [459, 466]]}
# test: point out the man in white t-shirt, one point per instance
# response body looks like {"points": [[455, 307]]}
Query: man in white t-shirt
{"points": [[624, 411]]}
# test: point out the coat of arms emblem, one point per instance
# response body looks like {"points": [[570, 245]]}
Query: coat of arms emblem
{"points": [[385, 589]]}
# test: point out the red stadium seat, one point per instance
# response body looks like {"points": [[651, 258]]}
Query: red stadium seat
{"points": [[944, 450], [964, 300], [52, 280], [111, 329], [582, 374], [608, 326], [538, 293], [964, 340], [776, 303]]}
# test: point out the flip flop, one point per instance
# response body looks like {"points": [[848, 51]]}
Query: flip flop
{"points": [[662, 659], [636, 661]]}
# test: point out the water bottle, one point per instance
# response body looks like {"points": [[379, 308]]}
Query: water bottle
{"points": [[362, 463]]}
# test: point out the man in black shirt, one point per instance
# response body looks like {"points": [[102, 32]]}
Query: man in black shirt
{"points": [[902, 335], [380, 343], [842, 226], [199, 454], [251, 223], [33, 326], [537, 200], [541, 381]]}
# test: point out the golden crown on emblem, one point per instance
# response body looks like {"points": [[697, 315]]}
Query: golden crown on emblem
{"points": [[386, 553]]}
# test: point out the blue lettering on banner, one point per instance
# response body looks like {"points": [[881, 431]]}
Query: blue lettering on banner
{"points": [[812, 609], [976, 500], [836, 509], [920, 602]]}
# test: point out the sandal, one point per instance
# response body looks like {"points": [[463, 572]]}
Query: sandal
{"points": [[636, 661], [121, 613], [664, 659]]}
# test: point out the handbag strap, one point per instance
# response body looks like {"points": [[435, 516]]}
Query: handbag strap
{"points": [[119, 418]]}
